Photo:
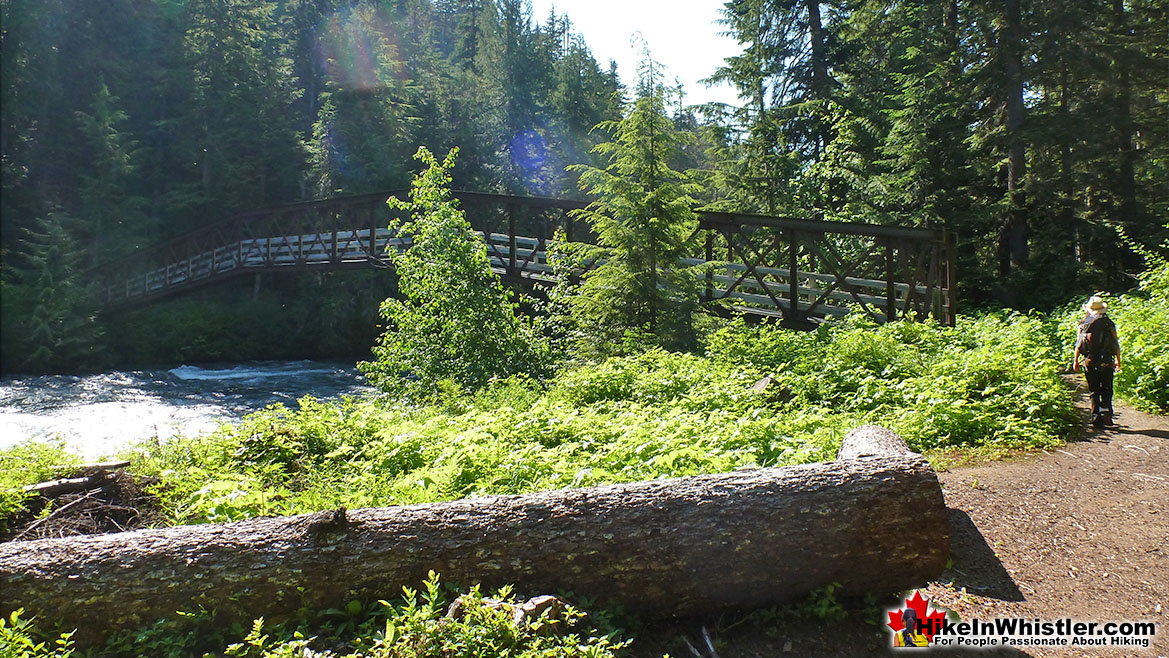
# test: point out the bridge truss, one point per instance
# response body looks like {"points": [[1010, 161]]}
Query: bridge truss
{"points": [[794, 269]]}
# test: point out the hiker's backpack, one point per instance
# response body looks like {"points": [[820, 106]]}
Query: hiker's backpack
{"points": [[1097, 338]]}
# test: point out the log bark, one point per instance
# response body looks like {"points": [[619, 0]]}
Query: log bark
{"points": [[873, 441], [662, 548]]}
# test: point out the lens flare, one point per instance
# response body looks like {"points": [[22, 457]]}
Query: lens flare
{"points": [[538, 164], [357, 49]]}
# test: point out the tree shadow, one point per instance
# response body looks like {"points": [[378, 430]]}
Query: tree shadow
{"points": [[975, 566]]}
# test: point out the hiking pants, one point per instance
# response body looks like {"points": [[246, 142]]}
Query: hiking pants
{"points": [[1100, 391]]}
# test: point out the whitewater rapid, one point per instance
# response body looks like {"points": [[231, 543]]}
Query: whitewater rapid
{"points": [[98, 415]]}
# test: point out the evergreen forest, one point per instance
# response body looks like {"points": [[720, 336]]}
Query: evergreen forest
{"points": [[1034, 129]]}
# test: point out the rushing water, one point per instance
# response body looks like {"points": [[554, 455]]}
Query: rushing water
{"points": [[99, 414]]}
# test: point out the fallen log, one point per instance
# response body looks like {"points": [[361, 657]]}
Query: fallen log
{"points": [[63, 486], [92, 469], [82, 478], [661, 548]]}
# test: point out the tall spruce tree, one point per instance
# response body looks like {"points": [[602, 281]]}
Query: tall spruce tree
{"points": [[49, 309], [643, 219], [110, 208]]}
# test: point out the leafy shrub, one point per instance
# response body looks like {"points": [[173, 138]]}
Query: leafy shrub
{"points": [[25, 463], [19, 638], [414, 625]]}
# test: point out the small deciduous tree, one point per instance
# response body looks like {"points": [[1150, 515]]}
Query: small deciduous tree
{"points": [[453, 319]]}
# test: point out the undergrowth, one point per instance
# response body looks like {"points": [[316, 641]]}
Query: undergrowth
{"points": [[756, 396], [28, 462], [990, 381], [414, 625]]}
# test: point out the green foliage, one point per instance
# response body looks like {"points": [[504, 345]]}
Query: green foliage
{"points": [[242, 87], [187, 633], [111, 211], [310, 315], [820, 605], [992, 382], [1144, 378], [28, 462], [19, 639], [145, 120], [1144, 344], [1141, 318], [454, 320], [906, 113], [642, 218], [413, 625]]}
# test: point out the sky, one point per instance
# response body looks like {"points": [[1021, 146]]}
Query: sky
{"points": [[682, 35]]}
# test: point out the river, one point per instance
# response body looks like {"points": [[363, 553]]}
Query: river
{"points": [[97, 415]]}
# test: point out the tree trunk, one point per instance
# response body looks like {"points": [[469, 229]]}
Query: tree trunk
{"points": [[1126, 164], [1013, 247], [819, 59], [661, 548]]}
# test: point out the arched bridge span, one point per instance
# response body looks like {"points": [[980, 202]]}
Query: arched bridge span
{"points": [[794, 269]]}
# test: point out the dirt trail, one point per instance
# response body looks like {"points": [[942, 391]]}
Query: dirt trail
{"points": [[1080, 532]]}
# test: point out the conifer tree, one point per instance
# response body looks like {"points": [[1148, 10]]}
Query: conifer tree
{"points": [[110, 208], [49, 310], [366, 115], [643, 219]]}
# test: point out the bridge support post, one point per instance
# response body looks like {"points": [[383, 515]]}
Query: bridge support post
{"points": [[512, 209], [890, 289]]}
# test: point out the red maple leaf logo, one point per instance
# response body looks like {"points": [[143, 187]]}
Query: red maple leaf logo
{"points": [[930, 621]]}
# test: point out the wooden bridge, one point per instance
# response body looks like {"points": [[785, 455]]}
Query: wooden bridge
{"points": [[795, 269]]}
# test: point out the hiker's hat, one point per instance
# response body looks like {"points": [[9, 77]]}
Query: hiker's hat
{"points": [[1095, 305]]}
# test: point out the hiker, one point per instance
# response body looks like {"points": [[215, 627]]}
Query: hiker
{"points": [[1099, 346], [911, 635]]}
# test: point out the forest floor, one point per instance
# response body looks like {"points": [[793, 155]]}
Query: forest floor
{"points": [[1078, 532]]}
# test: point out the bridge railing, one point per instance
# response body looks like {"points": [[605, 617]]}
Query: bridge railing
{"points": [[800, 269], [794, 269]]}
